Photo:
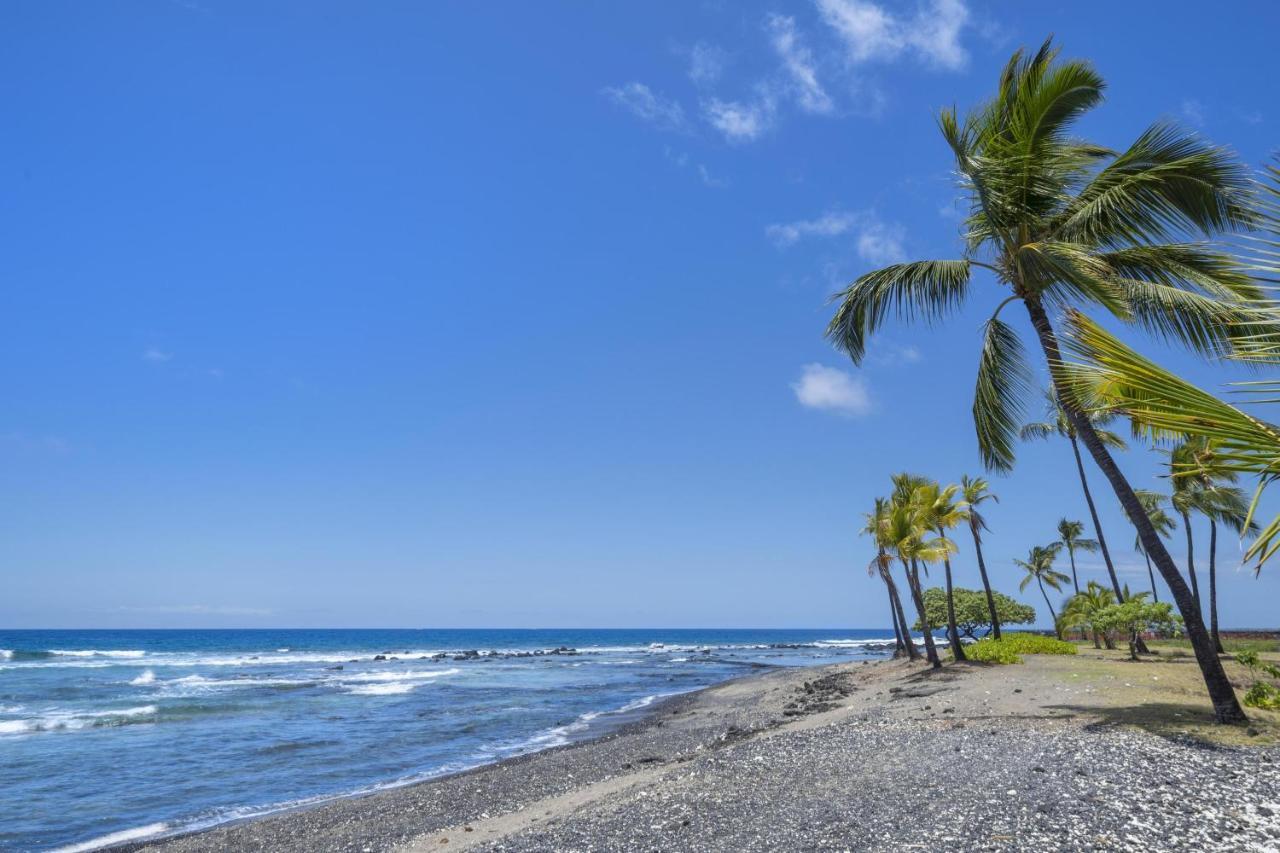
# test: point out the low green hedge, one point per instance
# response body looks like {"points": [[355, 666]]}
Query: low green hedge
{"points": [[1010, 647]]}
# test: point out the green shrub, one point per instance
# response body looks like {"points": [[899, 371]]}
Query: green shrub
{"points": [[1010, 648]]}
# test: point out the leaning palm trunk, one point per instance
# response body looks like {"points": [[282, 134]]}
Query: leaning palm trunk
{"points": [[898, 646], [1071, 551], [1225, 705], [986, 584], [953, 633], [1097, 525], [1155, 596], [1213, 586], [901, 617], [913, 580], [1191, 559], [1057, 629]]}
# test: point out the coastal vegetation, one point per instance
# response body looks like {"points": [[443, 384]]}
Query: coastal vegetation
{"points": [[1061, 226], [971, 611], [1011, 647]]}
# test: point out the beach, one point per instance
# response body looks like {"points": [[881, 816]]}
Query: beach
{"points": [[1081, 752]]}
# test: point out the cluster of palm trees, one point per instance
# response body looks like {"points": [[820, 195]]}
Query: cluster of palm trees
{"points": [[910, 528], [1061, 226]]}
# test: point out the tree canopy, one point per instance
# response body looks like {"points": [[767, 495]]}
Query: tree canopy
{"points": [[971, 610]]}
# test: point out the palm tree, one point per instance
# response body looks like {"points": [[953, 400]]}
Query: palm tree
{"points": [[1039, 567], [1058, 423], [1081, 608], [1069, 535], [975, 491], [939, 511], [1152, 505], [881, 563], [1230, 507], [1059, 222]]}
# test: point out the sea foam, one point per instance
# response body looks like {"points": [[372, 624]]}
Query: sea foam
{"points": [[114, 838]]}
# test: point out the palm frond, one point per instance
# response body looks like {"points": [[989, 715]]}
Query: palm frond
{"points": [[918, 290], [999, 399]]}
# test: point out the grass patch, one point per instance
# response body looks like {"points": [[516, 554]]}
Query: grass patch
{"points": [[1230, 645], [1011, 647]]}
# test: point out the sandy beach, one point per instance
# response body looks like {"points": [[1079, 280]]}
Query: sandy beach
{"points": [[1084, 752]]}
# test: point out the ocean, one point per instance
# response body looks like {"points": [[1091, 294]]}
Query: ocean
{"points": [[111, 735]]}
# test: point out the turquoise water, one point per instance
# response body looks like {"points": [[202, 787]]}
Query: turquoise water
{"points": [[106, 735]]}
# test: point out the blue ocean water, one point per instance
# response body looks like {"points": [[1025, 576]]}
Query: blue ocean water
{"points": [[106, 735]]}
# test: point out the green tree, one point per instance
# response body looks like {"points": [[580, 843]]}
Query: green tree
{"points": [[909, 534], [1136, 615], [1060, 222], [971, 610], [976, 491], [1069, 534], [1059, 423], [1039, 567]]}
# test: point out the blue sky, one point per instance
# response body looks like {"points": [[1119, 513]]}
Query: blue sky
{"points": [[510, 314]]}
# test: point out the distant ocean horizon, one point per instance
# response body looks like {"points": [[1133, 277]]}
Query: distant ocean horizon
{"points": [[192, 728]]}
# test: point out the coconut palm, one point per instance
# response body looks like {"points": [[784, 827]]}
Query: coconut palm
{"points": [[1039, 567], [1057, 423], [940, 512], [1069, 534], [881, 565], [976, 491], [1058, 222], [1080, 609], [908, 534], [1153, 506]]}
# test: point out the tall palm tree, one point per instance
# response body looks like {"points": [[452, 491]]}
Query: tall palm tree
{"points": [[1069, 534], [1230, 507], [1153, 506], [1058, 222], [940, 512], [875, 527], [1059, 423], [1039, 567], [976, 491]]}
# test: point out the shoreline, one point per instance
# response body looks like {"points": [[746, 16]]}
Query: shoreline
{"points": [[1057, 753], [632, 719]]}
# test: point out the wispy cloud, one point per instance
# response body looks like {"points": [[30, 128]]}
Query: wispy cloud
{"points": [[1193, 111], [872, 33], [25, 443], [706, 64], [830, 389], [156, 355], [648, 105], [799, 65], [893, 355], [198, 609], [877, 242], [738, 121], [682, 160]]}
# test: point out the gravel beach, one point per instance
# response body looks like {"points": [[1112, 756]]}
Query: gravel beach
{"points": [[878, 756]]}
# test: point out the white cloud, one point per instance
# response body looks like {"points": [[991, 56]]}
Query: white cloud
{"points": [[894, 355], [828, 225], [706, 64], [881, 244], [648, 105], [710, 180], [877, 242], [156, 354], [798, 62], [740, 122], [871, 33], [832, 390]]}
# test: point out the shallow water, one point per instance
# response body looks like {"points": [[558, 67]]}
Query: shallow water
{"points": [[138, 733]]}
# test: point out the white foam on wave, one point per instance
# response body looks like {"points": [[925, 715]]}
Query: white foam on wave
{"points": [[147, 677], [114, 838], [407, 675], [70, 721], [98, 653], [389, 689], [5, 654]]}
